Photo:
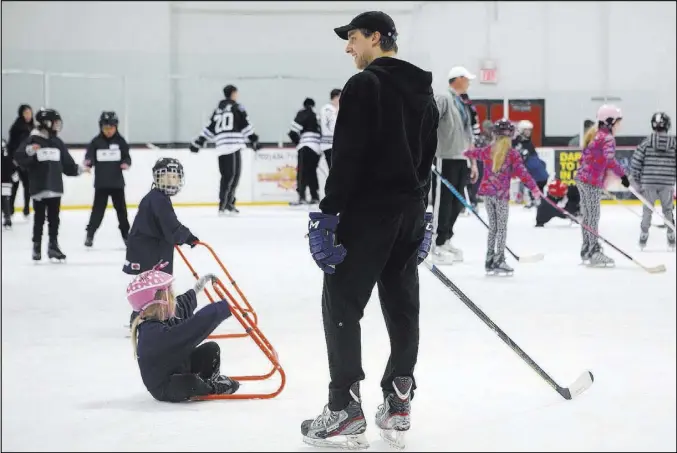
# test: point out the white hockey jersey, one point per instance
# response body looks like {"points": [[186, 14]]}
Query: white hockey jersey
{"points": [[327, 122]]}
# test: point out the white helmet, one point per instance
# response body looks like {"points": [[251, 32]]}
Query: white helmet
{"points": [[524, 125]]}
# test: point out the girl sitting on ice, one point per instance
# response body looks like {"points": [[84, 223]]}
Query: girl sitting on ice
{"points": [[166, 334], [501, 164]]}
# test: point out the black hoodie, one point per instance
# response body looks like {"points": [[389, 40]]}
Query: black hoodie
{"points": [[20, 130], [384, 140]]}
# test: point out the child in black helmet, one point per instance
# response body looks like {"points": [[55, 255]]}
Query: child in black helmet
{"points": [[45, 157], [108, 153], [156, 230]]}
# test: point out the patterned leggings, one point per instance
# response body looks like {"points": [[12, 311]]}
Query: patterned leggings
{"points": [[498, 211], [591, 201]]}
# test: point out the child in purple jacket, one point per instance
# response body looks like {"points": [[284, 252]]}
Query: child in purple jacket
{"points": [[597, 163], [501, 164]]}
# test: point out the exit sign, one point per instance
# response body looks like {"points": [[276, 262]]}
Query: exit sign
{"points": [[489, 75]]}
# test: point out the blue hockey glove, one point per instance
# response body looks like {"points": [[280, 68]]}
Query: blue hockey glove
{"points": [[427, 241], [322, 241]]}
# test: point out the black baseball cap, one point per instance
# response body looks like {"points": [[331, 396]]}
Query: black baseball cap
{"points": [[372, 21]]}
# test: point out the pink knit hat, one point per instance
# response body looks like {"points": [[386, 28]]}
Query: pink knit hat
{"points": [[141, 291]]}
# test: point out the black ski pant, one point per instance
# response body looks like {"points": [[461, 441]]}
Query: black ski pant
{"points": [[230, 167], [456, 172], [49, 208], [99, 210], [306, 174], [205, 364], [23, 179], [382, 251]]}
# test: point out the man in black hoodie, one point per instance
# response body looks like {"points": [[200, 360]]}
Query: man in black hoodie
{"points": [[384, 144]]}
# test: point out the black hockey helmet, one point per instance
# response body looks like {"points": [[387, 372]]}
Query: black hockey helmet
{"points": [[504, 127], [109, 118], [49, 120], [660, 122], [168, 175], [308, 102]]}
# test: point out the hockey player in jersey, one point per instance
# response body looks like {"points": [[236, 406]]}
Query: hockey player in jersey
{"points": [[45, 157], [230, 131], [156, 230], [166, 335], [9, 176], [305, 134], [327, 123], [534, 164], [108, 153], [373, 229], [653, 169], [557, 192]]}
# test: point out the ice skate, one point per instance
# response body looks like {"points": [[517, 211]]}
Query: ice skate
{"points": [[37, 251], [457, 254], [223, 385], [232, 209], [393, 417], [599, 259], [441, 257], [585, 254], [338, 429], [643, 238], [671, 240], [54, 252], [501, 267], [7, 223], [89, 240], [489, 263]]}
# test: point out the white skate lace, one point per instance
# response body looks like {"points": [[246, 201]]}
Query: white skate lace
{"points": [[325, 418]]}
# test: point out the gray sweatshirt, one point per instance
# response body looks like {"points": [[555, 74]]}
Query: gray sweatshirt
{"points": [[454, 134]]}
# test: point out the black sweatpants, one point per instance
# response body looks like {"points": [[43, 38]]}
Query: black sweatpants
{"points": [[99, 209], [230, 167], [541, 186], [474, 187], [51, 209], [306, 174], [381, 250], [456, 172], [327, 156], [205, 363], [23, 179], [6, 194]]}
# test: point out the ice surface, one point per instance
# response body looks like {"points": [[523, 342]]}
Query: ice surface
{"points": [[69, 381]]}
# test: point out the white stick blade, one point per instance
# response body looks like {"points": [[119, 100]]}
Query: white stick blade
{"points": [[657, 269], [532, 258], [581, 384]]}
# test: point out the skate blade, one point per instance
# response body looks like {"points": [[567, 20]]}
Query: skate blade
{"points": [[351, 442], [394, 438], [57, 260]]}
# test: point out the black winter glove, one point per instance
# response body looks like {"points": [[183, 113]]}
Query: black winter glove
{"points": [[192, 240], [625, 181]]}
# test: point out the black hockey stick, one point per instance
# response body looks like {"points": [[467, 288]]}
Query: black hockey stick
{"points": [[523, 259], [580, 385], [652, 270]]}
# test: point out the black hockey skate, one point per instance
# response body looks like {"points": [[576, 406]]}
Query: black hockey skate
{"points": [[7, 223], [392, 417], [89, 240], [54, 252], [489, 263], [501, 267], [671, 240], [223, 385], [338, 429], [232, 209], [599, 259], [37, 251], [643, 238]]}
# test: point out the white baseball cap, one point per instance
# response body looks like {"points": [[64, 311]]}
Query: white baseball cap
{"points": [[460, 71]]}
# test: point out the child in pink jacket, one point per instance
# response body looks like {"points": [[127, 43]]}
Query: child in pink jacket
{"points": [[501, 164], [597, 162]]}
